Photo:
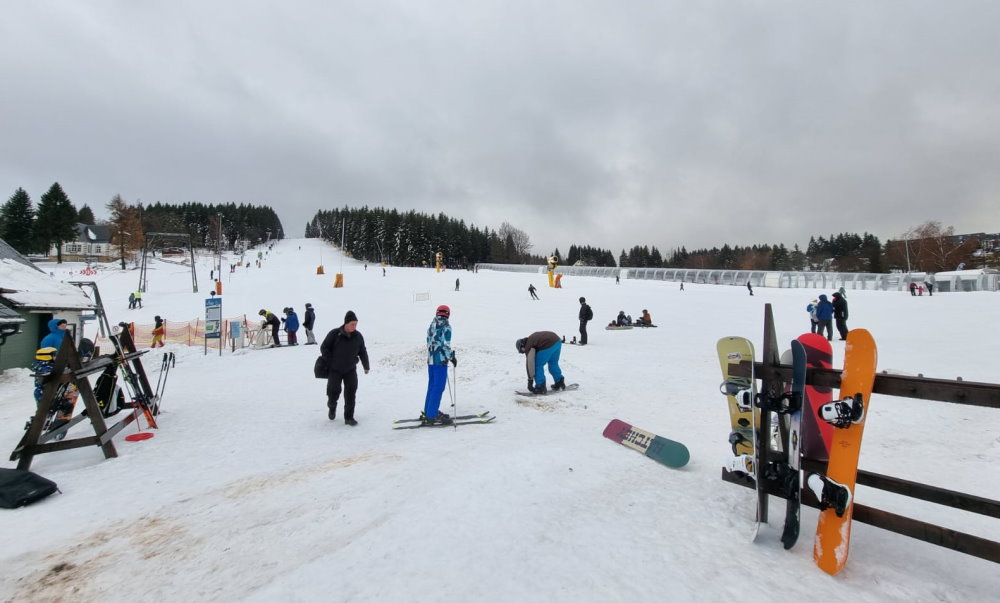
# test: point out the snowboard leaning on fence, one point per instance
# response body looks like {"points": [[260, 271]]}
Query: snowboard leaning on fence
{"points": [[732, 351], [660, 449], [833, 533], [816, 433], [741, 394]]}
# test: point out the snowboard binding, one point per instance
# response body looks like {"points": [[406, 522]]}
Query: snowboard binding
{"points": [[843, 413], [743, 465], [737, 439], [830, 494], [782, 404], [740, 390]]}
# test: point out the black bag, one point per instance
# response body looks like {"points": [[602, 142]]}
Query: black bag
{"points": [[320, 370], [19, 488]]}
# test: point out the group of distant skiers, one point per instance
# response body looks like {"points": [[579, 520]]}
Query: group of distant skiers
{"points": [[823, 313]]}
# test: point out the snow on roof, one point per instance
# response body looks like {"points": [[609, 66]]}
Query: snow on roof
{"points": [[8, 316], [36, 290]]}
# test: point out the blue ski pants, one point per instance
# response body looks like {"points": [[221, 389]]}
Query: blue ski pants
{"points": [[547, 357], [437, 379]]}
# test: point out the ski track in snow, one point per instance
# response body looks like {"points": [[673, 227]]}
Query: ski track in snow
{"points": [[248, 492]]}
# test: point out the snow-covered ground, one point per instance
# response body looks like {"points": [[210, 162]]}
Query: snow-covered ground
{"points": [[248, 492]]}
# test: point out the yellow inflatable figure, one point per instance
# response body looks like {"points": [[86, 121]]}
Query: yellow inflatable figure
{"points": [[553, 264]]}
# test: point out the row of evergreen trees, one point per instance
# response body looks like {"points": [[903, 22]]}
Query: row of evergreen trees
{"points": [[250, 223], [35, 230], [414, 239]]}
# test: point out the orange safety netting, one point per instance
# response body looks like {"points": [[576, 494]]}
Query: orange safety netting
{"points": [[191, 332]]}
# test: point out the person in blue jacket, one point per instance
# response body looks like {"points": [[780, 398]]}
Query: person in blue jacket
{"points": [[57, 330], [291, 321], [824, 317], [439, 354]]}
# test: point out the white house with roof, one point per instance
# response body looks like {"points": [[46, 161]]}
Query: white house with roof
{"points": [[93, 243]]}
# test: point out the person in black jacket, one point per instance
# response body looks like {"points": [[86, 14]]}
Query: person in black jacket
{"points": [[310, 320], [586, 315], [271, 319], [341, 349], [840, 314]]}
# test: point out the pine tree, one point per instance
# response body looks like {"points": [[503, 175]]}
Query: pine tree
{"points": [[85, 215], [17, 217], [56, 223]]}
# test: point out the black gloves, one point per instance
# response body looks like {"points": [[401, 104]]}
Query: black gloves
{"points": [[454, 361]]}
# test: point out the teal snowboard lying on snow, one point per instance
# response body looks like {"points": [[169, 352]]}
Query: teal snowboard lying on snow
{"points": [[661, 450]]}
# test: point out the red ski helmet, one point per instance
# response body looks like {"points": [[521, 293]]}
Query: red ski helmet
{"points": [[443, 310]]}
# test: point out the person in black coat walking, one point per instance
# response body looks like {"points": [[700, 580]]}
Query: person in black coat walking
{"points": [[586, 315], [840, 314], [308, 322], [342, 348]]}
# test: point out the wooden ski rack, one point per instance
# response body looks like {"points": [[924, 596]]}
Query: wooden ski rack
{"points": [[68, 368], [939, 390]]}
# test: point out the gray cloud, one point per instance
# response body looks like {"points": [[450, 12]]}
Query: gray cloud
{"points": [[600, 123]]}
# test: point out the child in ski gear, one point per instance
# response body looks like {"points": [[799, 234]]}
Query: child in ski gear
{"points": [[342, 348], [813, 322], [824, 317], [57, 330], [531, 291], [271, 319], [840, 314], [645, 320], [541, 349], [439, 354], [159, 332], [61, 409], [586, 315], [131, 301], [622, 319], [291, 326], [308, 324]]}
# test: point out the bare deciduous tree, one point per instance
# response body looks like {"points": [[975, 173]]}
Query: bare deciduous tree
{"points": [[519, 239]]}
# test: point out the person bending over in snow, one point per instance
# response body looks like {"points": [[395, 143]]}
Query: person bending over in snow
{"points": [[272, 320], [541, 349]]}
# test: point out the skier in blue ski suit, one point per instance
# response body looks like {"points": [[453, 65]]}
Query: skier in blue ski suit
{"points": [[439, 354]]}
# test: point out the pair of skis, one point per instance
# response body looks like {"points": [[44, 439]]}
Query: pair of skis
{"points": [[473, 419], [831, 429]]}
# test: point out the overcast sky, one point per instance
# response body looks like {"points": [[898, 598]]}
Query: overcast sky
{"points": [[602, 123]]}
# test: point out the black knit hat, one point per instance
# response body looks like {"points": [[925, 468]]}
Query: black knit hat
{"points": [[350, 317]]}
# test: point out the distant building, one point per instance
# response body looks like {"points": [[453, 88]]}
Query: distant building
{"points": [[93, 243], [989, 243]]}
